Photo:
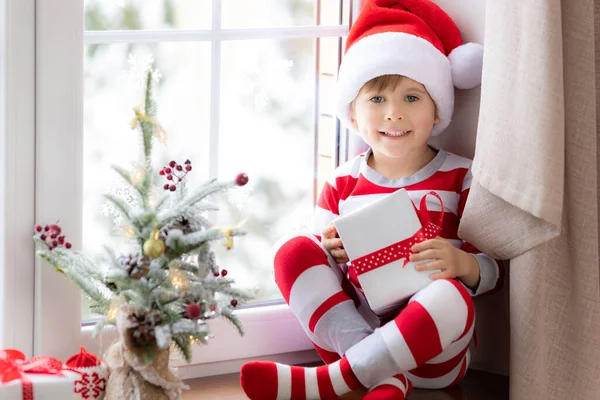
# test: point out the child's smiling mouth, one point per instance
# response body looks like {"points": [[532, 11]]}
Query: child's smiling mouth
{"points": [[395, 133]]}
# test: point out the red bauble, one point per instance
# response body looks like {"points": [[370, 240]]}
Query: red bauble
{"points": [[216, 274], [162, 172], [193, 311], [172, 188], [167, 186], [241, 179], [188, 168], [224, 273], [172, 164], [38, 228], [68, 245], [179, 168], [233, 302]]}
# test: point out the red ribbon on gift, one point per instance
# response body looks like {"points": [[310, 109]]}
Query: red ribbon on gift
{"points": [[401, 249], [13, 365]]}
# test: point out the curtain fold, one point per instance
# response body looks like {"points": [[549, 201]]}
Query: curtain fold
{"points": [[534, 199]]}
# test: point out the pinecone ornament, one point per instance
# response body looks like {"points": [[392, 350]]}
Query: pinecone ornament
{"points": [[137, 267], [93, 375], [141, 327], [183, 224]]}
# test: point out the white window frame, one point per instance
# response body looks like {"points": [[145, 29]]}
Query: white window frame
{"points": [[17, 174], [271, 331]]}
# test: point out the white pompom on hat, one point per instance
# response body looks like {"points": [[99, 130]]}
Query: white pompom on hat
{"points": [[413, 38]]}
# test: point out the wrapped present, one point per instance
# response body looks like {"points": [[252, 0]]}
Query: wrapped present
{"points": [[93, 375], [40, 378], [378, 238]]}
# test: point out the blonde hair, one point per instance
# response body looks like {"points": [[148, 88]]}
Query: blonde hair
{"points": [[383, 82]]}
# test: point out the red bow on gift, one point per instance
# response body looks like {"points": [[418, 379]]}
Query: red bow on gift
{"points": [[13, 365], [401, 249]]}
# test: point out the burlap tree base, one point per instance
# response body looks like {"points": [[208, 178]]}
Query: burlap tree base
{"points": [[132, 379]]}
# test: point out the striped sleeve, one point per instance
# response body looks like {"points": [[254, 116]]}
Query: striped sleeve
{"points": [[326, 209], [491, 270]]}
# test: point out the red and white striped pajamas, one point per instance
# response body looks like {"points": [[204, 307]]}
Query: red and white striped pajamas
{"points": [[426, 341]]}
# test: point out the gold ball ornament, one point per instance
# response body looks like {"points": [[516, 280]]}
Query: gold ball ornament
{"points": [[154, 247], [227, 238]]}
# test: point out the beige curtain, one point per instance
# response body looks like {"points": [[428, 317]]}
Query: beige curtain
{"points": [[534, 198]]}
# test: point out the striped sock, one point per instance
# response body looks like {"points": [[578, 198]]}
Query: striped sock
{"points": [[265, 380], [395, 388], [319, 294], [435, 319]]}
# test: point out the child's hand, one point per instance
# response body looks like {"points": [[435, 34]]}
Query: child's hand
{"points": [[333, 244], [453, 262]]}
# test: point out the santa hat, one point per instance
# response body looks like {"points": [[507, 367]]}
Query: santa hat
{"points": [[413, 38]]}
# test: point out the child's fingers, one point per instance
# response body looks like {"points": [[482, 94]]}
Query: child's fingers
{"points": [[329, 231], [337, 243], [431, 266], [338, 252], [426, 255], [340, 255], [330, 244], [445, 274], [435, 243]]}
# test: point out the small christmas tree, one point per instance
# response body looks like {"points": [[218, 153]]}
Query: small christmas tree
{"points": [[166, 288]]}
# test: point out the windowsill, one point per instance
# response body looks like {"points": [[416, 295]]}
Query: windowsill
{"points": [[477, 385], [271, 332]]}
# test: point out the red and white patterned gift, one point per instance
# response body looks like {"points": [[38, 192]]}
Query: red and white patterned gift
{"points": [[91, 384], [378, 238], [39, 378]]}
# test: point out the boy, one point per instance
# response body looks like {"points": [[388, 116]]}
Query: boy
{"points": [[395, 89]]}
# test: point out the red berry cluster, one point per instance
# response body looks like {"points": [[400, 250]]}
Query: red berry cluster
{"points": [[223, 273], [51, 236], [175, 174]]}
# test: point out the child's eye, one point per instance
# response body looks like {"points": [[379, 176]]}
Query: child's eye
{"points": [[377, 99], [411, 98]]}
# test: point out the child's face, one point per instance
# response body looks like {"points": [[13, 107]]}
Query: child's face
{"points": [[395, 120]]}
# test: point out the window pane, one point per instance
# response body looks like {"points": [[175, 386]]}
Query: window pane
{"points": [[239, 14], [267, 129], [147, 14], [329, 50], [335, 12], [111, 91]]}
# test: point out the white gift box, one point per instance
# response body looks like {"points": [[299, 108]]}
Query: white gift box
{"points": [[377, 238], [45, 387]]}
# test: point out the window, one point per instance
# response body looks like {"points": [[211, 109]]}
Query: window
{"points": [[235, 75]]}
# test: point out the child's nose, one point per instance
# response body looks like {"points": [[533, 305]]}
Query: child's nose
{"points": [[394, 114]]}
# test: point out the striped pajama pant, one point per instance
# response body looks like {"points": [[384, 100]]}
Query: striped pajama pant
{"points": [[429, 338]]}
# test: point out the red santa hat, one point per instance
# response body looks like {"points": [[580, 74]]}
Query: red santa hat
{"points": [[413, 38]]}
